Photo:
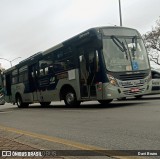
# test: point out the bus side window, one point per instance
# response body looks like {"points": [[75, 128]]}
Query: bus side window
{"points": [[43, 69], [32, 74], [64, 60], [15, 76], [46, 71], [51, 69], [41, 72], [45, 64], [59, 66]]}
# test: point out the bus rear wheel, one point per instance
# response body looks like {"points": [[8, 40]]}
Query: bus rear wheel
{"points": [[20, 103], [70, 98]]}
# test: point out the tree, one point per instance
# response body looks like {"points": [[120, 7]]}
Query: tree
{"points": [[152, 43]]}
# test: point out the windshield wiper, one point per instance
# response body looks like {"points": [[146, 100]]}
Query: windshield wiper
{"points": [[133, 50], [134, 41], [120, 45]]}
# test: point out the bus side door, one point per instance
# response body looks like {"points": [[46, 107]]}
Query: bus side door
{"points": [[88, 73], [33, 81]]}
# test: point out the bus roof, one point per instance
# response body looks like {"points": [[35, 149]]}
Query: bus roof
{"points": [[88, 33]]}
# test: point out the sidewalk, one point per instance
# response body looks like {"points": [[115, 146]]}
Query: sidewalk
{"points": [[9, 145], [14, 142]]}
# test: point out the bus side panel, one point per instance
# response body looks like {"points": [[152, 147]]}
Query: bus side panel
{"points": [[20, 89], [47, 96], [72, 80], [99, 91], [17, 88]]}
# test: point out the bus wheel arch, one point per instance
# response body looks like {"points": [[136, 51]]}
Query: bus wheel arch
{"points": [[20, 102], [68, 94]]}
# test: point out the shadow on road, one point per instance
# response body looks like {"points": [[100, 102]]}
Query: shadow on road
{"points": [[85, 106], [144, 98], [95, 105]]}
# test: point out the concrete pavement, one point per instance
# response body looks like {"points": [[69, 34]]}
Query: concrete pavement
{"points": [[7, 145], [11, 142]]}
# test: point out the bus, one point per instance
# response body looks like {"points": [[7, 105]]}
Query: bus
{"points": [[2, 100], [101, 64]]}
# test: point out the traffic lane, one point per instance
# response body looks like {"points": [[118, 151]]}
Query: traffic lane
{"points": [[47, 142], [121, 126], [6, 108], [71, 110]]}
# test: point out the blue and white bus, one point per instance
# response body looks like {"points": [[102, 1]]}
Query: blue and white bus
{"points": [[101, 64]]}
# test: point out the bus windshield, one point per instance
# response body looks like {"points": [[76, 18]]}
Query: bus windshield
{"points": [[124, 53]]}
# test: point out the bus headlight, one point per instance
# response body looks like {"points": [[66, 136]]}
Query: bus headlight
{"points": [[112, 80]]}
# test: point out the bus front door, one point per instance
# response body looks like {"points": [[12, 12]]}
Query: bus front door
{"points": [[8, 82], [88, 74], [33, 81]]}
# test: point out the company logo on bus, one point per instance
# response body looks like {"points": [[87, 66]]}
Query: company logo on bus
{"points": [[83, 35]]}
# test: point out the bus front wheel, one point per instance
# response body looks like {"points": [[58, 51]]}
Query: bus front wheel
{"points": [[70, 98]]}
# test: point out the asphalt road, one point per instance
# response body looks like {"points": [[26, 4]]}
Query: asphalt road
{"points": [[122, 125]]}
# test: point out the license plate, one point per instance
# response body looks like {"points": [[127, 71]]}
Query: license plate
{"points": [[134, 90]]}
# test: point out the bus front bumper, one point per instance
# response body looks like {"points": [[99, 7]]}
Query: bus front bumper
{"points": [[112, 92]]}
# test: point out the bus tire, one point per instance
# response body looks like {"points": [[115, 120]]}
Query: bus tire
{"points": [[20, 103], [70, 98], [45, 104], [105, 102]]}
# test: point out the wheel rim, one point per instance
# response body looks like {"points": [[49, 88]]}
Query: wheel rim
{"points": [[70, 98], [18, 101]]}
